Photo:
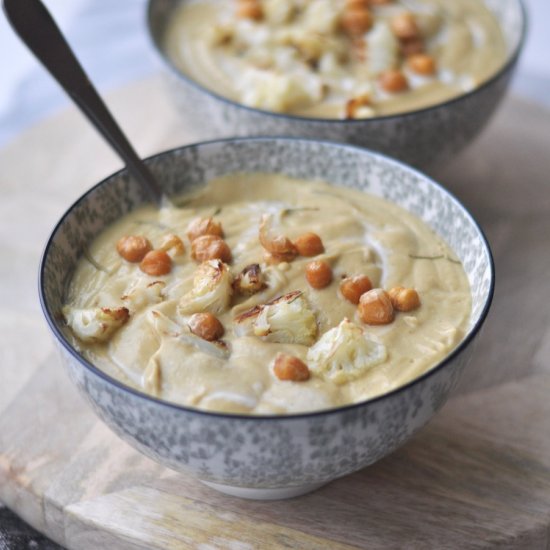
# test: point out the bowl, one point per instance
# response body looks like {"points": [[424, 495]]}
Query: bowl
{"points": [[267, 457], [425, 138]]}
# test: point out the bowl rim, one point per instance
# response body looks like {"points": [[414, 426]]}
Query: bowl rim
{"points": [[61, 338], [510, 62]]}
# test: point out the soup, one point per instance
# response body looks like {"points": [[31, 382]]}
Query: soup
{"points": [[262, 294]]}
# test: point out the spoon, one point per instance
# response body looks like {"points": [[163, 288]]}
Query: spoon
{"points": [[35, 26]]}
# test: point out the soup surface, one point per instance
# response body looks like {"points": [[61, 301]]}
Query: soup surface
{"points": [[246, 298], [336, 58]]}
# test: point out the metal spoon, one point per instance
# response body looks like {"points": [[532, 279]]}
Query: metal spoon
{"points": [[35, 26]]}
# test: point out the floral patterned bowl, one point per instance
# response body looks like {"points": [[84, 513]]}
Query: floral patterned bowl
{"points": [[267, 457], [424, 138]]}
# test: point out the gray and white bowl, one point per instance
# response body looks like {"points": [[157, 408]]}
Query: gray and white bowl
{"points": [[424, 138], [267, 456]]}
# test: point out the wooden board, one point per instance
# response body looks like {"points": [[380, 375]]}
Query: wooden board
{"points": [[477, 477]]}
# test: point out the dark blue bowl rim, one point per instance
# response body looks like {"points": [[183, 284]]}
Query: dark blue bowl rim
{"points": [[253, 417], [506, 67]]}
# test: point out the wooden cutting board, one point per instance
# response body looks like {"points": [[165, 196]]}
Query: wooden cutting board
{"points": [[477, 477]]}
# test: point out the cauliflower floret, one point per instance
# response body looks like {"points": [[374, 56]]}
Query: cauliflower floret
{"points": [[382, 48], [279, 92], [96, 324], [288, 320], [143, 293], [344, 353], [278, 12], [250, 280], [212, 289], [321, 16]]}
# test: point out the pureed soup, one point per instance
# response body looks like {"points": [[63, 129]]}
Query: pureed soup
{"points": [[336, 58], [263, 294]]}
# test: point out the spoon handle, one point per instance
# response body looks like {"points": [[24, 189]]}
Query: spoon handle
{"points": [[35, 26]]}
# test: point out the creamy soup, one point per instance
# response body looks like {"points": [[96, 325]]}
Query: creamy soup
{"points": [[336, 58], [263, 294]]}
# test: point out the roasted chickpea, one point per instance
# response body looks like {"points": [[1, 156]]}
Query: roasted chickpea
{"points": [[203, 226], [412, 46], [309, 244], [356, 21], [133, 248], [206, 326], [352, 288], [357, 4], [356, 104], [249, 9], [210, 247], [422, 63], [172, 242], [318, 274], [289, 367], [404, 26], [375, 307], [404, 299], [156, 263], [393, 81]]}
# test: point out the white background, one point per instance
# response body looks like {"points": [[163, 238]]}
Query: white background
{"points": [[110, 39]]}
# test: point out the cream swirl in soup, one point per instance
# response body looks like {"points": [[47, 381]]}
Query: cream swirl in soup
{"points": [[336, 58], [262, 294]]}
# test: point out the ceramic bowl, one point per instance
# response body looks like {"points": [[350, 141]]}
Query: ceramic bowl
{"points": [[425, 138], [267, 456]]}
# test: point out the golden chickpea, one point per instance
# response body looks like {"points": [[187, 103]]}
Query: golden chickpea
{"points": [[172, 242], [404, 299], [352, 288], [357, 4], [289, 367], [412, 46], [206, 326], [375, 307], [393, 81], [133, 248], [210, 247], [249, 9], [356, 21], [203, 226], [156, 263], [318, 274], [404, 26], [309, 244], [422, 63], [354, 105]]}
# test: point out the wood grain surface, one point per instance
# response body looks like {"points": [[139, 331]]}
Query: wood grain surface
{"points": [[477, 477]]}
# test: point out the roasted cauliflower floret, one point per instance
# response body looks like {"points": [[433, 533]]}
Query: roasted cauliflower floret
{"points": [[250, 280], [279, 92], [345, 353], [320, 16], [287, 320], [212, 289], [96, 324], [382, 48], [278, 12], [143, 293]]}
